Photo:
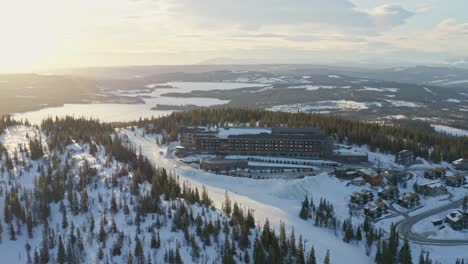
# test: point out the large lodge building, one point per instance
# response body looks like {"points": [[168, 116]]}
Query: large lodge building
{"points": [[286, 142]]}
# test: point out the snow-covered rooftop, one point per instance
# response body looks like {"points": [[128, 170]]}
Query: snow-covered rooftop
{"points": [[226, 132]]}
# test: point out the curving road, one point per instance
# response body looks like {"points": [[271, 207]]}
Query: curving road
{"points": [[404, 227]]}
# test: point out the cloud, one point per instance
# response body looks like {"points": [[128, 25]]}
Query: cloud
{"points": [[388, 16], [251, 14], [449, 28]]}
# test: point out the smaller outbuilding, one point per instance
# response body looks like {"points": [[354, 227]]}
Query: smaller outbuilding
{"points": [[388, 192], [405, 157], [434, 173], [362, 197], [461, 164], [395, 176], [350, 156], [457, 219], [431, 188], [456, 180], [222, 164], [346, 173], [376, 209], [409, 200]]}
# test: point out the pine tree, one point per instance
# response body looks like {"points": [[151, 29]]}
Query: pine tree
{"points": [[100, 253], [114, 208], [465, 204], [44, 255], [102, 233], [378, 254], [178, 257], [61, 256], [405, 253], [421, 258], [227, 204], [304, 213], [348, 236], [300, 251], [1, 230], [64, 220], [327, 257], [311, 258], [12, 232], [358, 235], [138, 253]]}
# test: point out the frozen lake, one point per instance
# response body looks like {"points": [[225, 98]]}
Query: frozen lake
{"points": [[110, 112]]}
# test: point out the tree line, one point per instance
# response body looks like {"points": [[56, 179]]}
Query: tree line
{"points": [[389, 138]]}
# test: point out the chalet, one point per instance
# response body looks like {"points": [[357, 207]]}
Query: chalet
{"points": [[371, 176], [434, 173], [456, 180], [388, 192], [404, 157], [408, 200], [362, 197], [431, 188], [461, 164], [376, 209], [346, 173], [395, 176], [457, 219]]}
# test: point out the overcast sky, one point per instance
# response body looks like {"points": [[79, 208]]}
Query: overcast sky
{"points": [[75, 33]]}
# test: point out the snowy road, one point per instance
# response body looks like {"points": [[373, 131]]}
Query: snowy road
{"points": [[263, 196], [405, 227]]}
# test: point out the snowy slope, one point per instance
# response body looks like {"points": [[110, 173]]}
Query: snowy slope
{"points": [[275, 199]]}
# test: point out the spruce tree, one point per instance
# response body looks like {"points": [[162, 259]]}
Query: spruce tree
{"points": [[227, 204], [304, 213], [300, 252], [327, 257], [311, 258], [1, 230], [12, 232], [61, 256], [405, 253]]}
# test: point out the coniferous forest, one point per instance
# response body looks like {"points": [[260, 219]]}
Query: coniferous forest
{"points": [[93, 197], [389, 138]]}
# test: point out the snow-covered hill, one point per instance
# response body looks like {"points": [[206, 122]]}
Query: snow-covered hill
{"points": [[79, 204]]}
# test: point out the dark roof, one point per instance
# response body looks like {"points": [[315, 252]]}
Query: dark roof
{"points": [[297, 130], [266, 136]]}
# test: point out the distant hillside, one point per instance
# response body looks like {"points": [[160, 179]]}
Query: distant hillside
{"points": [[27, 92]]}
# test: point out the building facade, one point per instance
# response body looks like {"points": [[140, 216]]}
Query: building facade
{"points": [[404, 157], [409, 200], [431, 189], [285, 142], [434, 173], [371, 176], [456, 180], [461, 164], [457, 219], [220, 164]]}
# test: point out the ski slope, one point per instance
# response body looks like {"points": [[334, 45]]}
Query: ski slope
{"points": [[275, 199]]}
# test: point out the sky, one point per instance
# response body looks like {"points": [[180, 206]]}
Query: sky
{"points": [[50, 34]]}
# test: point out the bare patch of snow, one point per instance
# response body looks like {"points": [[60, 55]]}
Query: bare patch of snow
{"points": [[401, 103], [450, 130], [374, 89]]}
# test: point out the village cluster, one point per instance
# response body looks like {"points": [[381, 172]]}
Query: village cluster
{"points": [[299, 152]]}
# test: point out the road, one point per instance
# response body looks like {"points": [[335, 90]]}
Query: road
{"points": [[150, 150], [404, 227]]}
